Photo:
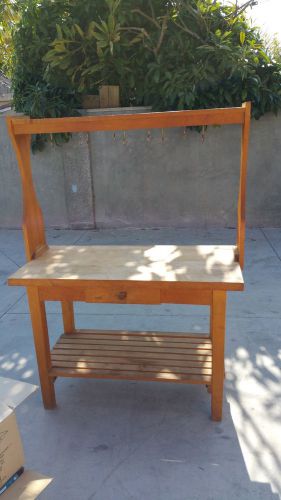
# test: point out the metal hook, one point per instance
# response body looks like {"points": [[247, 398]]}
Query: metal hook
{"points": [[125, 138], [203, 134], [148, 136]]}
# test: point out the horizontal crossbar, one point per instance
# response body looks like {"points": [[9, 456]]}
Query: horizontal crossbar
{"points": [[192, 118]]}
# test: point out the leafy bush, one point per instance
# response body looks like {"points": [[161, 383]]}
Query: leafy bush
{"points": [[88, 57], [8, 17], [33, 95], [42, 100], [31, 39], [177, 54]]}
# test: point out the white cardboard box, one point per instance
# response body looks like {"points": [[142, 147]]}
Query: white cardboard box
{"points": [[30, 484]]}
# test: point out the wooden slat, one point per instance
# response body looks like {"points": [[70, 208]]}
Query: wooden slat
{"points": [[132, 366], [187, 337], [134, 343], [221, 116], [136, 354], [130, 375], [58, 355], [129, 335], [132, 348]]}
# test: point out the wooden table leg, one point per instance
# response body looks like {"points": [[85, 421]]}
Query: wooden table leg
{"points": [[42, 346], [68, 316], [218, 308]]}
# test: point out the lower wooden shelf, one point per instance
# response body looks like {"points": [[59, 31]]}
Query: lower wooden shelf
{"points": [[166, 357]]}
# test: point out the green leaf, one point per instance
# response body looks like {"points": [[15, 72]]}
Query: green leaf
{"points": [[111, 23], [99, 36], [242, 37], [79, 30]]}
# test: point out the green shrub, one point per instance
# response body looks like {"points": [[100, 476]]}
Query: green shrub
{"points": [[9, 16], [177, 54], [33, 95], [41, 100], [31, 39]]}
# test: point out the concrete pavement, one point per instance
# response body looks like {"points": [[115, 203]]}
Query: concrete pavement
{"points": [[131, 440]]}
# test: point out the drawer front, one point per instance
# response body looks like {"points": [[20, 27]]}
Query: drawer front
{"points": [[118, 294]]}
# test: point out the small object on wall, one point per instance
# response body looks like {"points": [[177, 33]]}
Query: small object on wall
{"points": [[109, 96], [90, 101]]}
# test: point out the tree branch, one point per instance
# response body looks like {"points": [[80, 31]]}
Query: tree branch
{"points": [[187, 30], [151, 19], [242, 8], [152, 9], [162, 33]]}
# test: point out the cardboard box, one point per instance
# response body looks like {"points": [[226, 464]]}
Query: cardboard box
{"points": [[30, 484], [12, 393], [27, 487], [11, 450]]}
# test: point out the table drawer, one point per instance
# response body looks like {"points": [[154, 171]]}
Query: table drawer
{"points": [[118, 294]]}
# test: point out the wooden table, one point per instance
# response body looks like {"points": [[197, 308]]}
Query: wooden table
{"points": [[154, 274]]}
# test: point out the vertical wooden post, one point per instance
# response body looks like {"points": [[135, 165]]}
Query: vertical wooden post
{"points": [[209, 386], [42, 346], [68, 316], [241, 211], [33, 223], [218, 309]]}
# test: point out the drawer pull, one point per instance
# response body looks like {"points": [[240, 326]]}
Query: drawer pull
{"points": [[122, 295]]}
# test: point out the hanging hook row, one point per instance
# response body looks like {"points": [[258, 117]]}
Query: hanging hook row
{"points": [[149, 135]]}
